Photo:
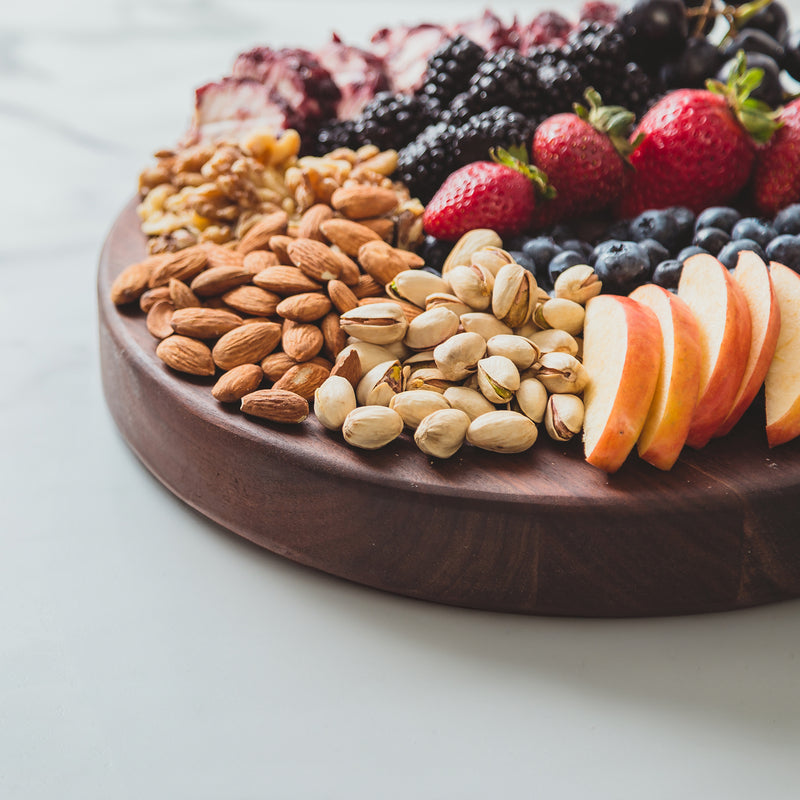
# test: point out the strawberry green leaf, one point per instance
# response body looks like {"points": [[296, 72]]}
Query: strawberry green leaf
{"points": [[516, 158]]}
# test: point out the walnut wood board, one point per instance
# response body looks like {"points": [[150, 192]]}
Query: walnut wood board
{"points": [[539, 533]]}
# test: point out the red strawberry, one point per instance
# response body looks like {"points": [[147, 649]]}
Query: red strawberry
{"points": [[499, 194], [776, 175], [583, 155], [698, 145]]}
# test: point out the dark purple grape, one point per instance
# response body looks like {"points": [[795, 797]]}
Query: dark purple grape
{"points": [[656, 30], [791, 54], [699, 61], [772, 18], [770, 91], [754, 40]]}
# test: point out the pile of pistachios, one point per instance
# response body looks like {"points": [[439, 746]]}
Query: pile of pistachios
{"points": [[480, 355]]}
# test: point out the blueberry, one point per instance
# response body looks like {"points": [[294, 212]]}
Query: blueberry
{"points": [[758, 230], [540, 249], [523, 260], [668, 273], [579, 246], [691, 250], [722, 217], [729, 254], [684, 219], [788, 220], [656, 224], [619, 230], [656, 251], [785, 249], [711, 239], [622, 266], [563, 260], [435, 251], [602, 247], [561, 232]]}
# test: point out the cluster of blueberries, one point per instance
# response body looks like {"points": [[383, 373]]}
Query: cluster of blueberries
{"points": [[653, 247]]}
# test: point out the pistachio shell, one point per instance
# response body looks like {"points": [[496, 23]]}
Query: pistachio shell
{"points": [[372, 427], [502, 432], [498, 378], [431, 328], [414, 405], [370, 355], [442, 432], [469, 243], [333, 401], [380, 384], [472, 284], [415, 285], [458, 356], [468, 400], [376, 323], [555, 340], [562, 373], [492, 258], [514, 295], [516, 348], [487, 325], [578, 283], [446, 300], [564, 416], [531, 397], [557, 312]]}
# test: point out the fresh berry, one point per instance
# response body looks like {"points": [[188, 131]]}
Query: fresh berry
{"points": [[791, 54], [486, 194], [579, 246], [711, 239], [694, 148], [770, 90], [668, 273], [776, 174], [539, 251], [759, 230], [658, 224], [772, 19], [684, 219], [788, 220], [497, 127], [656, 29], [424, 163], [450, 68], [434, 251], [689, 251], [785, 249], [656, 251], [563, 261], [729, 255], [583, 155], [722, 217], [700, 61], [753, 40], [622, 266]]}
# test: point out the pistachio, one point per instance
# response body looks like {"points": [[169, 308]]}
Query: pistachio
{"points": [[487, 325], [414, 405], [376, 323], [430, 379], [564, 416], [415, 286], [380, 384], [516, 348], [578, 283], [562, 373], [514, 295], [531, 398], [502, 432], [560, 313], [431, 328], [527, 330], [498, 378], [442, 432], [371, 427], [469, 243], [458, 356], [470, 401], [492, 258], [473, 285], [370, 355], [421, 360], [333, 401], [555, 340], [445, 300]]}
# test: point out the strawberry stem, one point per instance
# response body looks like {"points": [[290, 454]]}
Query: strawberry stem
{"points": [[613, 121], [517, 159]]}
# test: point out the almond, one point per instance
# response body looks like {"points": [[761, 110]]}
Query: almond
{"points": [[301, 341], [158, 319], [315, 259], [234, 384], [252, 300], [151, 296], [218, 280], [312, 220], [303, 379], [258, 260], [276, 405], [279, 245], [247, 344], [381, 261], [306, 307], [186, 355], [132, 282], [341, 296], [347, 235], [383, 226], [258, 236], [275, 364], [285, 281], [348, 365], [181, 295], [350, 272], [219, 256], [183, 265], [361, 201], [333, 337], [204, 323], [367, 286]]}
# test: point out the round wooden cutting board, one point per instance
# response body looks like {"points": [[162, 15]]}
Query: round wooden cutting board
{"points": [[539, 533]]}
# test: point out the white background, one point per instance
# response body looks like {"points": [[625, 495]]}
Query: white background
{"points": [[146, 652]]}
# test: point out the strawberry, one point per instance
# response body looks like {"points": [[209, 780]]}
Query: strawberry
{"points": [[697, 146], [499, 194], [584, 157], [776, 175]]}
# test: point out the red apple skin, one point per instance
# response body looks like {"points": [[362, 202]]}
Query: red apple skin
{"points": [[787, 426], [752, 276], [667, 427], [718, 394], [641, 334]]}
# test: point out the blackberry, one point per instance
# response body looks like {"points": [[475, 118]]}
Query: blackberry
{"points": [[636, 90], [561, 85], [335, 134], [600, 52], [498, 127], [450, 68], [424, 163]]}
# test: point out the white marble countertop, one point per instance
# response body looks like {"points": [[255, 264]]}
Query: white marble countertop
{"points": [[146, 652]]}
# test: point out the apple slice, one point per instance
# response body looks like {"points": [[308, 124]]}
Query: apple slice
{"points": [[753, 278], [782, 385], [622, 356], [667, 424], [721, 311]]}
